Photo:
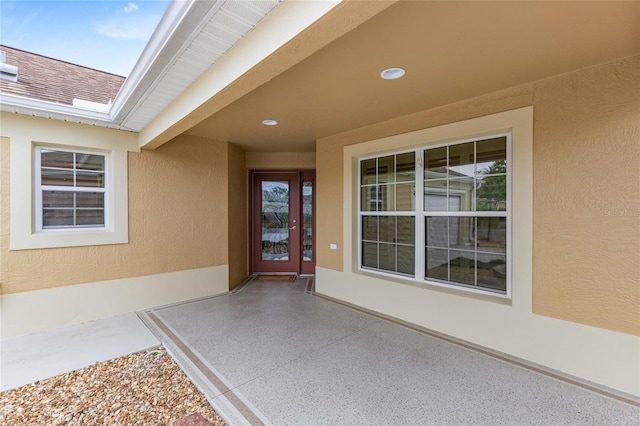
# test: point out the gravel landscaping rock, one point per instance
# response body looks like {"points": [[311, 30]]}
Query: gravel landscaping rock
{"points": [[147, 388]]}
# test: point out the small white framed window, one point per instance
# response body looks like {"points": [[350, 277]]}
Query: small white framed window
{"points": [[71, 189], [457, 233], [31, 227]]}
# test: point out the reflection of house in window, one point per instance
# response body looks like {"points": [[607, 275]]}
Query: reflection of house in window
{"points": [[376, 197], [491, 186], [442, 194]]}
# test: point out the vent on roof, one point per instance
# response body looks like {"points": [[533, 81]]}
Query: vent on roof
{"points": [[7, 72], [94, 106]]}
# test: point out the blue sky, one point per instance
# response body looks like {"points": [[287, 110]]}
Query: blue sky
{"points": [[103, 34]]}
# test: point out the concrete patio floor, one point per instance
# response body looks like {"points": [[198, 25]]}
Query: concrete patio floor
{"points": [[276, 353]]}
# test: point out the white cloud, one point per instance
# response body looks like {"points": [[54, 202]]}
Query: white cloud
{"points": [[138, 28], [131, 7]]}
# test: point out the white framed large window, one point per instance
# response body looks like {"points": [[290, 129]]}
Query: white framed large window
{"points": [[71, 189], [458, 232]]}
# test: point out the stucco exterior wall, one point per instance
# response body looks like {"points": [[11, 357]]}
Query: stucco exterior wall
{"points": [[178, 205], [178, 221], [587, 197], [586, 239], [281, 160], [238, 217]]}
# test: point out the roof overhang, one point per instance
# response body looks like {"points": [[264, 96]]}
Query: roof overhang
{"points": [[56, 111], [289, 32], [198, 47], [191, 37]]}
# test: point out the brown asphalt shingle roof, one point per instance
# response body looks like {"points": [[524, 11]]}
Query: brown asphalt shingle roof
{"points": [[48, 79]]}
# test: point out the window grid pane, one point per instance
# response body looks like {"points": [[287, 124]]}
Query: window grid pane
{"points": [[388, 243], [56, 159], [89, 162], [57, 217], [468, 249], [387, 184], [470, 176], [77, 206]]}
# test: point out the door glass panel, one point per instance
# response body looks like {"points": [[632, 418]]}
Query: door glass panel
{"points": [[275, 220], [307, 221]]}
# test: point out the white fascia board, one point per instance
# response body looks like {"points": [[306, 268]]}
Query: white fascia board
{"points": [[279, 27], [13, 103], [155, 49]]}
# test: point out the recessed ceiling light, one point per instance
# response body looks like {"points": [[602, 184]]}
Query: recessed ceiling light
{"points": [[392, 73], [269, 122]]}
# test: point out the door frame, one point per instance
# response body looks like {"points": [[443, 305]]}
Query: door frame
{"points": [[300, 266]]}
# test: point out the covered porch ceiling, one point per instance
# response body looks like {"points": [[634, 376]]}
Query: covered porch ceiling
{"points": [[451, 51], [218, 68]]}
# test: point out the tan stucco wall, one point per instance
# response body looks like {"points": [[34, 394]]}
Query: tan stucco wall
{"points": [[586, 241], [587, 197], [238, 217], [177, 221], [281, 160], [185, 184]]}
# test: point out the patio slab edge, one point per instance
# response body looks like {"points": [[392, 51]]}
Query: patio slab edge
{"points": [[228, 403], [540, 369]]}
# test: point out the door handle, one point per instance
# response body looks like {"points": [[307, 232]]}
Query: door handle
{"points": [[293, 228]]}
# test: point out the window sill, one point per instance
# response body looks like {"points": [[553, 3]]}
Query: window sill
{"points": [[69, 238], [489, 296]]}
